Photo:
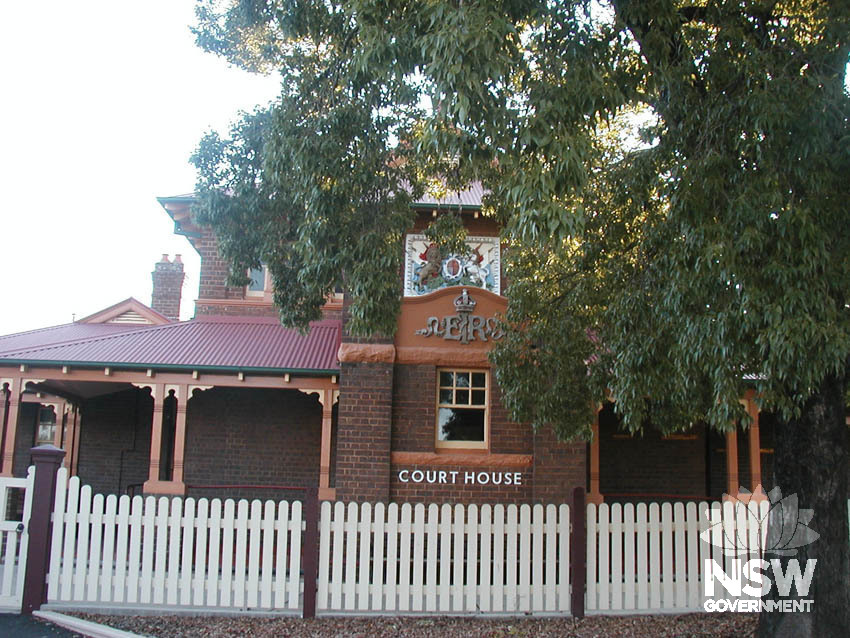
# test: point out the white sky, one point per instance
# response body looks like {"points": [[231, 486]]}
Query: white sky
{"points": [[101, 104]]}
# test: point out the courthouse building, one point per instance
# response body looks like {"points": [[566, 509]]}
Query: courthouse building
{"points": [[233, 404]]}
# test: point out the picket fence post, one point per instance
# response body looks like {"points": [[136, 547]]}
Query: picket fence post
{"points": [[578, 552], [46, 459], [310, 551]]}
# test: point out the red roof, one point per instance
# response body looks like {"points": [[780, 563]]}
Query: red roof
{"points": [[63, 333], [230, 343]]}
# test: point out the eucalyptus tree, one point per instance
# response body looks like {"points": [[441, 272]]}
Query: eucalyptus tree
{"points": [[670, 177]]}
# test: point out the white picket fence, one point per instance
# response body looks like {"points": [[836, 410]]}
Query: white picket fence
{"points": [[651, 558], [404, 559], [175, 552], [13, 543], [447, 559]]}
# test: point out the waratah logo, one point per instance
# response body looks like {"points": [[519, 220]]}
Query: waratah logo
{"points": [[790, 524]]}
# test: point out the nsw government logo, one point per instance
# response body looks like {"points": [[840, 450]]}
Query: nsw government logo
{"points": [[750, 557]]}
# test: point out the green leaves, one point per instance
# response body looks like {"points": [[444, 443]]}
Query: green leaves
{"points": [[670, 177]]}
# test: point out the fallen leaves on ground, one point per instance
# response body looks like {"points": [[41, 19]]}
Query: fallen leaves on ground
{"points": [[219, 626]]}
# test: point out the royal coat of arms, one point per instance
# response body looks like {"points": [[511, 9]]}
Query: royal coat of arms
{"points": [[427, 269]]}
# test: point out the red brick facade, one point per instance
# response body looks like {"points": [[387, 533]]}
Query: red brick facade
{"points": [[252, 437], [363, 441], [266, 443]]}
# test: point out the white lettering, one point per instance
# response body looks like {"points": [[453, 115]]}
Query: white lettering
{"points": [[473, 478], [802, 581], [731, 584], [753, 574]]}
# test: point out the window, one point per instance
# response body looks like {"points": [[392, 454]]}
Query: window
{"points": [[462, 409], [260, 283], [260, 287]]}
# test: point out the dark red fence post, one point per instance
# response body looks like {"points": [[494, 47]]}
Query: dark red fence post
{"points": [[46, 459], [310, 551], [578, 552]]}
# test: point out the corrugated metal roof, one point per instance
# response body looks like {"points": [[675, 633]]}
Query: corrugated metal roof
{"points": [[469, 197], [204, 343], [63, 333]]}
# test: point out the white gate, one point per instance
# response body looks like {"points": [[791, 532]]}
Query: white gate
{"points": [[15, 506]]}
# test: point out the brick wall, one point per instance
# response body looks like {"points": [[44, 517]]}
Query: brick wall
{"points": [[649, 463], [233, 436], [558, 467], [257, 309], [414, 414], [364, 430], [167, 287], [238, 436], [214, 270], [213, 288], [115, 438], [414, 408]]}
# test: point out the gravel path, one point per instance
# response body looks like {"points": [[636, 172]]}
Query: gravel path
{"points": [[684, 626]]}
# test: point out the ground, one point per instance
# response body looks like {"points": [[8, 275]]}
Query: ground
{"points": [[662, 626], [28, 627]]}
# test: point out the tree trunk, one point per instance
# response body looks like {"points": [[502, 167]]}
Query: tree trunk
{"points": [[811, 460]]}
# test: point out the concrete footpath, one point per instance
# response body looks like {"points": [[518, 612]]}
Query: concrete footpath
{"points": [[50, 624], [17, 626]]}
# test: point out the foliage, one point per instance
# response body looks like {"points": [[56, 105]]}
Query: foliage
{"points": [[670, 176]]}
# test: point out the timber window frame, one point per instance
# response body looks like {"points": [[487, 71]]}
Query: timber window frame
{"points": [[462, 404], [261, 284]]}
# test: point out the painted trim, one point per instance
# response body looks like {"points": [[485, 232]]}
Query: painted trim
{"points": [[317, 372], [174, 488], [130, 304], [443, 357], [470, 458]]}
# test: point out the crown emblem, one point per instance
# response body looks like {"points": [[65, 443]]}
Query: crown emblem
{"points": [[464, 303]]}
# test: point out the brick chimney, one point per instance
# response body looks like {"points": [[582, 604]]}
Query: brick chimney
{"points": [[167, 287]]}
